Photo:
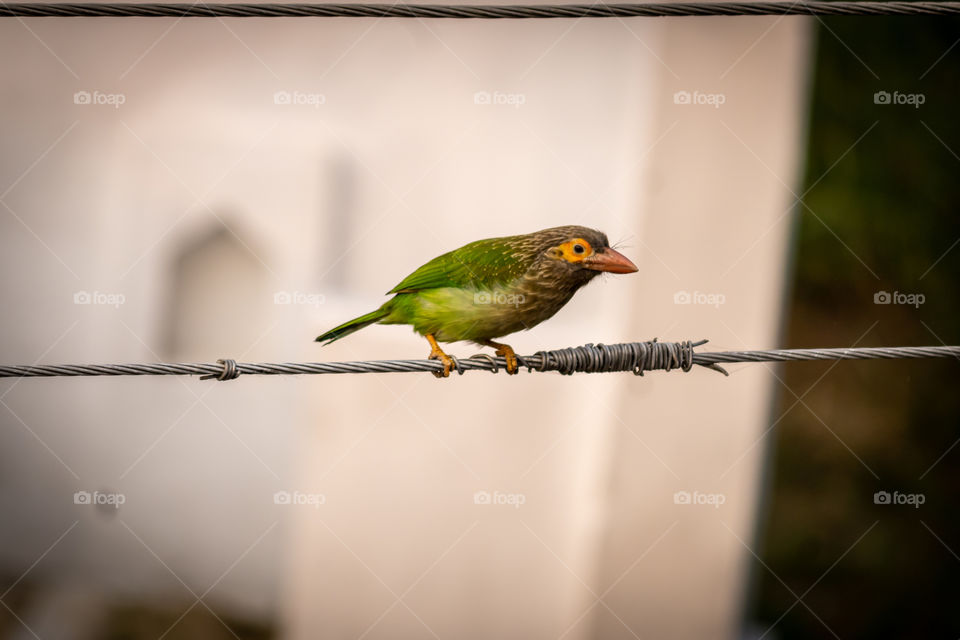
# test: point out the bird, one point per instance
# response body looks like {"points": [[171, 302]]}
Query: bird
{"points": [[493, 287]]}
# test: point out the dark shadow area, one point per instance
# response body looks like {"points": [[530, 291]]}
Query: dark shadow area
{"points": [[52, 609], [861, 521]]}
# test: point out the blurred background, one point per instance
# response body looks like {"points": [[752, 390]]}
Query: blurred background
{"points": [[187, 190]]}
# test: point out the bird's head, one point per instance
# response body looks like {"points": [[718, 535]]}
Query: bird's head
{"points": [[577, 254]]}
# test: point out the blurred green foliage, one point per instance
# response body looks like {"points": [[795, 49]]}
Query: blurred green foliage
{"points": [[881, 213]]}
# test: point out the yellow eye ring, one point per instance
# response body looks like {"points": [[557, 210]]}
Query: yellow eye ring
{"points": [[575, 250]]}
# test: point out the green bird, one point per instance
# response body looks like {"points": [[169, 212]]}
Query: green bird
{"points": [[494, 287]]}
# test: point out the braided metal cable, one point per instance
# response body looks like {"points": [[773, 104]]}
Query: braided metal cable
{"points": [[484, 12], [636, 357]]}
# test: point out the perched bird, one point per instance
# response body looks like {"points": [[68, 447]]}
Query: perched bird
{"points": [[494, 287]]}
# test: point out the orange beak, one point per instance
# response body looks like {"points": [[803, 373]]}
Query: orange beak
{"points": [[610, 261]]}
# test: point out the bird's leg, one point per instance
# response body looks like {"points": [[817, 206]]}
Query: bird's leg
{"points": [[436, 353], [506, 351]]}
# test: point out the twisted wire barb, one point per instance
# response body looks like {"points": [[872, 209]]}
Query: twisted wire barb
{"points": [[637, 357], [486, 12]]}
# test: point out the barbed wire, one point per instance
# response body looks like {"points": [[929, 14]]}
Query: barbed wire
{"points": [[484, 12], [636, 357]]}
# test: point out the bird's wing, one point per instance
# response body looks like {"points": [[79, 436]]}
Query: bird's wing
{"points": [[481, 264]]}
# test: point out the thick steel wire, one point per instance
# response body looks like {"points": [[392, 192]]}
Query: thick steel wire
{"points": [[484, 12], [636, 357]]}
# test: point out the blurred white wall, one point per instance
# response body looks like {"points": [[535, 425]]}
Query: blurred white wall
{"points": [[232, 224]]}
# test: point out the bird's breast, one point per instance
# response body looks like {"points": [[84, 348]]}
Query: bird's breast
{"points": [[454, 314]]}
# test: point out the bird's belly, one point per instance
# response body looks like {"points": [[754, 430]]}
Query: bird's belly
{"points": [[453, 314]]}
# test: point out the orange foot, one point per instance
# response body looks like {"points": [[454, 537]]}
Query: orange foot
{"points": [[507, 352], [436, 353]]}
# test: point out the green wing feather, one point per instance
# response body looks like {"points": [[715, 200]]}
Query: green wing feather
{"points": [[479, 265]]}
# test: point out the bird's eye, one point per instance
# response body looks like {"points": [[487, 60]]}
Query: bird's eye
{"points": [[578, 248]]}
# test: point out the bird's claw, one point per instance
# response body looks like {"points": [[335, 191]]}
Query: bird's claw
{"points": [[436, 353], [444, 359], [510, 356]]}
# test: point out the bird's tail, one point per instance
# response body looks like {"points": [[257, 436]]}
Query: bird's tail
{"points": [[356, 324]]}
